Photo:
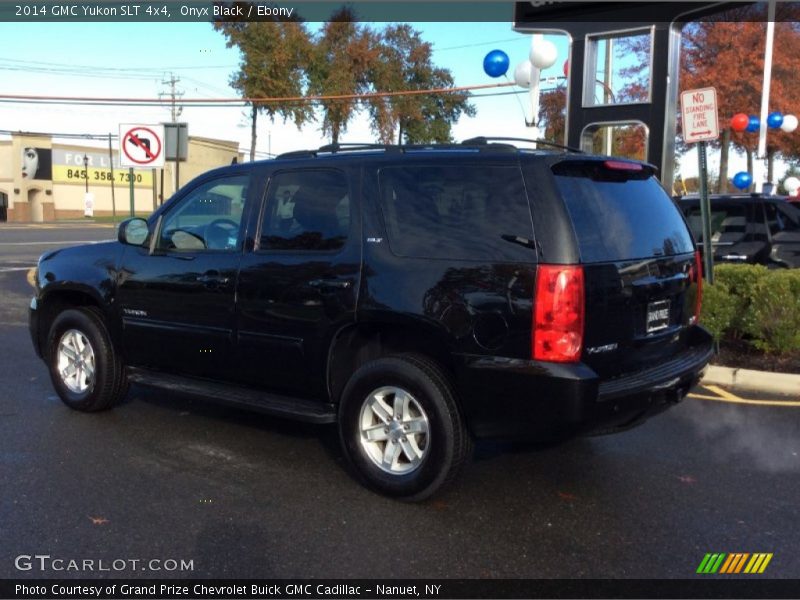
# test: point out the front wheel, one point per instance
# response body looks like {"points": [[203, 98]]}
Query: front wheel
{"points": [[84, 367], [401, 428]]}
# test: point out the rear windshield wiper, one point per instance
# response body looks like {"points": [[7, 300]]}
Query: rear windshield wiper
{"points": [[515, 239]]}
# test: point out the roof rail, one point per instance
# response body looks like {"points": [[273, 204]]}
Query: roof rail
{"points": [[337, 148], [479, 144], [484, 140]]}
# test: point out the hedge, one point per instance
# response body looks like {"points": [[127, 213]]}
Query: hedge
{"points": [[756, 304]]}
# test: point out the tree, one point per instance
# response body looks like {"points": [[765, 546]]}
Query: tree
{"points": [[728, 54], [343, 55], [273, 59], [552, 115], [405, 64]]}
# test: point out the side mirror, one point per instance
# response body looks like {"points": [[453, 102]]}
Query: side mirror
{"points": [[133, 232]]}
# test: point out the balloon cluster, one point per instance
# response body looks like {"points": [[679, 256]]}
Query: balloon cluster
{"points": [[751, 124], [742, 122], [543, 56]]}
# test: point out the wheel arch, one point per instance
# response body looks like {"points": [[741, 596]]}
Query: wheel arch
{"points": [[53, 302], [357, 344]]}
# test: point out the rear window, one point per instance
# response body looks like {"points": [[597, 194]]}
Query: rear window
{"points": [[457, 212], [620, 214]]}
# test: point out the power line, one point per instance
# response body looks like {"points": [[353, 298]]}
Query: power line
{"points": [[238, 101]]}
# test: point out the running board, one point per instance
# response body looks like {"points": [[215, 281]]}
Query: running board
{"points": [[297, 409]]}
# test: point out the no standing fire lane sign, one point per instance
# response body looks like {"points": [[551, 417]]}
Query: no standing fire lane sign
{"points": [[699, 115], [141, 145]]}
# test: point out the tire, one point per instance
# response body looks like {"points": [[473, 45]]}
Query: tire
{"points": [[97, 380], [412, 452]]}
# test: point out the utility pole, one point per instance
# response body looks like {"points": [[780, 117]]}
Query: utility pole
{"points": [[173, 96]]}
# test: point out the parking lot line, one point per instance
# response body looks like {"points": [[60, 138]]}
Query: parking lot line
{"points": [[725, 396]]}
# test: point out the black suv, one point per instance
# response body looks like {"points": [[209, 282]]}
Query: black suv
{"points": [[417, 297], [754, 229]]}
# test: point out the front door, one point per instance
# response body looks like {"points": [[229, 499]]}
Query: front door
{"points": [[298, 287], [177, 300]]}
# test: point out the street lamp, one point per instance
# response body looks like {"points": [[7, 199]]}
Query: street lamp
{"points": [[86, 171]]}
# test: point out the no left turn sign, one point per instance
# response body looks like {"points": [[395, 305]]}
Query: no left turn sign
{"points": [[141, 145]]}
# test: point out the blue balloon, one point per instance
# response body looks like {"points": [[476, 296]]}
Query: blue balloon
{"points": [[753, 124], [495, 64], [742, 180], [775, 120]]}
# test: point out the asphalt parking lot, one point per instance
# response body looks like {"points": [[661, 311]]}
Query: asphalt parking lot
{"points": [[243, 495]]}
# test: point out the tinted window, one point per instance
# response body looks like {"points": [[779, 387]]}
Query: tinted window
{"points": [[207, 218], [620, 214], [306, 210], [455, 212], [728, 223], [789, 216]]}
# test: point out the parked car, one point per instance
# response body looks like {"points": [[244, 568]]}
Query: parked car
{"points": [[416, 296], [753, 229]]}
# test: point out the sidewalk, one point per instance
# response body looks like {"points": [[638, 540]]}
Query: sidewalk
{"points": [[65, 224], [778, 383]]}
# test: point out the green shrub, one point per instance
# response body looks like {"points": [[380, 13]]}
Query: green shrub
{"points": [[719, 308], [774, 321], [741, 281]]}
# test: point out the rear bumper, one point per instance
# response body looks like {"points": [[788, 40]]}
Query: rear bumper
{"points": [[529, 400]]}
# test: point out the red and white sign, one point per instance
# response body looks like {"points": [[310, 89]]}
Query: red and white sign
{"points": [[141, 145], [699, 115]]}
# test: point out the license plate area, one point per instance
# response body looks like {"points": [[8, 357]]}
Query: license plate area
{"points": [[657, 316]]}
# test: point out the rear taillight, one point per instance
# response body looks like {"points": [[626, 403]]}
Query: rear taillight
{"points": [[558, 313], [696, 277]]}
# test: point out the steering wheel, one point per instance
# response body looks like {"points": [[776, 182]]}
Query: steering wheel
{"points": [[218, 233]]}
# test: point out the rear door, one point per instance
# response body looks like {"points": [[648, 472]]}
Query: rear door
{"points": [[298, 286], [638, 259]]}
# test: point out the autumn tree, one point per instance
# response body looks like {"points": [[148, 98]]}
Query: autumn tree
{"points": [[552, 115], [343, 55], [405, 64], [729, 55], [274, 55]]}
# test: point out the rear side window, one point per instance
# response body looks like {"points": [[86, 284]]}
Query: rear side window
{"points": [[460, 212], [620, 214], [306, 210]]}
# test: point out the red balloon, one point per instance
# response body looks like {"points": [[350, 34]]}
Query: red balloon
{"points": [[739, 122], [566, 68]]}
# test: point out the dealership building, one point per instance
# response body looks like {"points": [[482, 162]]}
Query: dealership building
{"points": [[46, 180]]}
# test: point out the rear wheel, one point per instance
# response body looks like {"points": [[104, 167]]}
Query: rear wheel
{"points": [[401, 428], [86, 371]]}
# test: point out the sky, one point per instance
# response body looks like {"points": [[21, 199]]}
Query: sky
{"points": [[135, 59]]}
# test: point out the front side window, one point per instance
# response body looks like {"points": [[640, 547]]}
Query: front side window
{"points": [[208, 218], [306, 210]]}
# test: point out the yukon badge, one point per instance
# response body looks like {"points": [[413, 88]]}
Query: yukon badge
{"points": [[132, 312], [601, 349]]}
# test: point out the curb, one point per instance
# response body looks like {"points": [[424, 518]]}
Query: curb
{"points": [[778, 383]]}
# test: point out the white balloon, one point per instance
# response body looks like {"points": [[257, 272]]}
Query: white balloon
{"points": [[791, 185], [544, 54], [789, 123], [522, 74]]}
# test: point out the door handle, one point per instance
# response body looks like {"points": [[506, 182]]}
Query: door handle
{"points": [[212, 279], [330, 284]]}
